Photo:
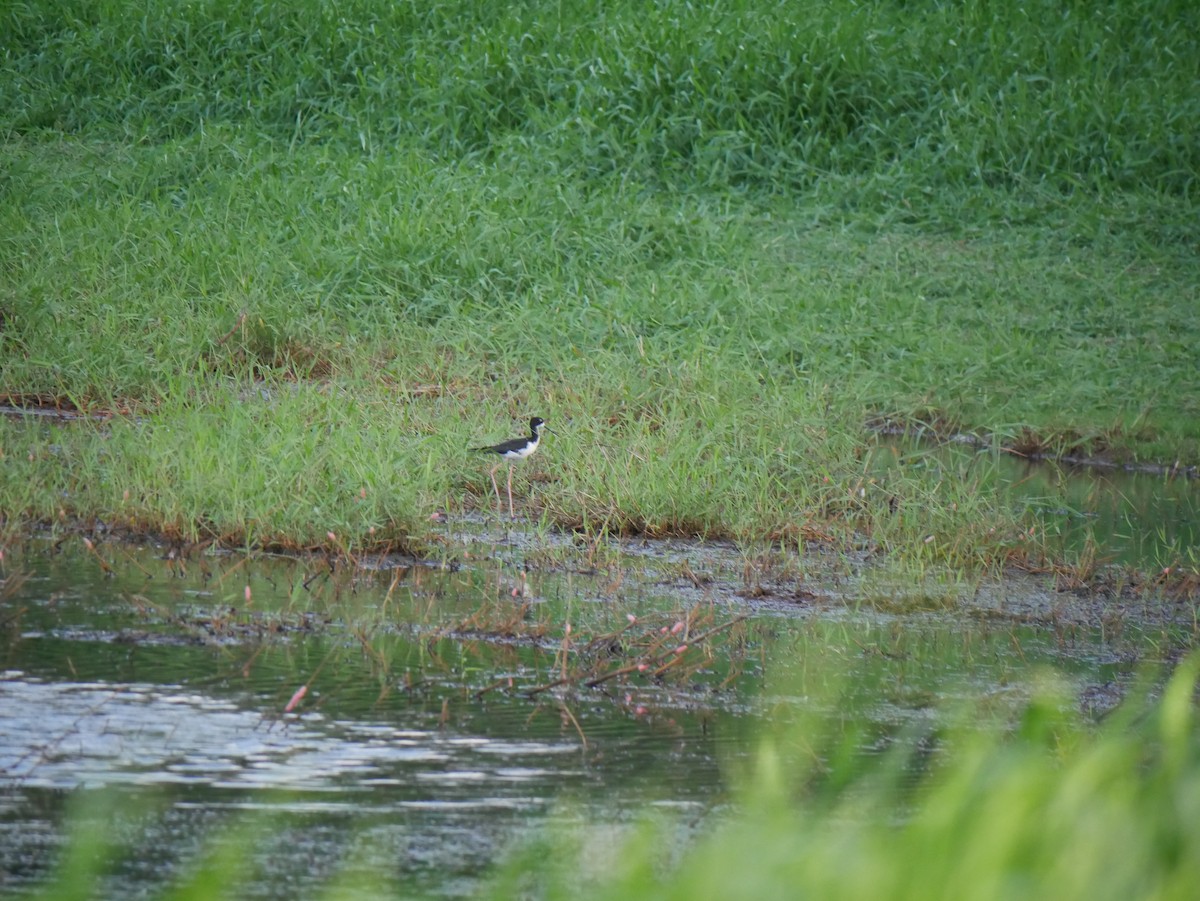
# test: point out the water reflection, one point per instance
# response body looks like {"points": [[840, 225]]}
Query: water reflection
{"points": [[419, 747], [96, 735]]}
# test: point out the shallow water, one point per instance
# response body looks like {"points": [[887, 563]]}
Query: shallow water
{"points": [[150, 700], [1144, 520]]}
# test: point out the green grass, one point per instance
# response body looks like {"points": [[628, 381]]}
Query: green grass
{"points": [[1050, 811], [709, 246], [747, 92]]}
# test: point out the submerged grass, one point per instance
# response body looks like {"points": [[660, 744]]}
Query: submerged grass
{"points": [[318, 250]]}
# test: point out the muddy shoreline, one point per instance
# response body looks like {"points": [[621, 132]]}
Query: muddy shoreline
{"points": [[825, 579]]}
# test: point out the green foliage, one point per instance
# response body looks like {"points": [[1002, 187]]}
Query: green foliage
{"points": [[282, 468], [1052, 810], [708, 243], [764, 93]]}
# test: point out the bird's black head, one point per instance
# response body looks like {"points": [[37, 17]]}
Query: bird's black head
{"points": [[536, 424]]}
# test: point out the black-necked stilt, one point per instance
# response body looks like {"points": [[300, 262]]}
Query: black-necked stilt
{"points": [[517, 449]]}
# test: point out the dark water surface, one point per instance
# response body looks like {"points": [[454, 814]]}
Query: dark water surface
{"points": [[143, 699]]}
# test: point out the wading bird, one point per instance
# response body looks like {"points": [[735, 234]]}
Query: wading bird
{"points": [[514, 450]]}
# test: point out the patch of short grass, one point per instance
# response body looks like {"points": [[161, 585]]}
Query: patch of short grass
{"points": [[285, 463]]}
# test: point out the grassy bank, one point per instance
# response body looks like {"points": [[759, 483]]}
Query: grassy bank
{"points": [[316, 251], [751, 92]]}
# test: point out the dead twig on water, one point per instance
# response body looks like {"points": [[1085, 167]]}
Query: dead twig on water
{"points": [[104, 564], [652, 659], [574, 722], [549, 685]]}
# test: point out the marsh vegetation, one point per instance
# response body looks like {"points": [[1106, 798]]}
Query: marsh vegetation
{"points": [[284, 264]]}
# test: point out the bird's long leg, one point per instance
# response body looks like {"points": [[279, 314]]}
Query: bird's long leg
{"points": [[496, 487], [511, 512]]}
